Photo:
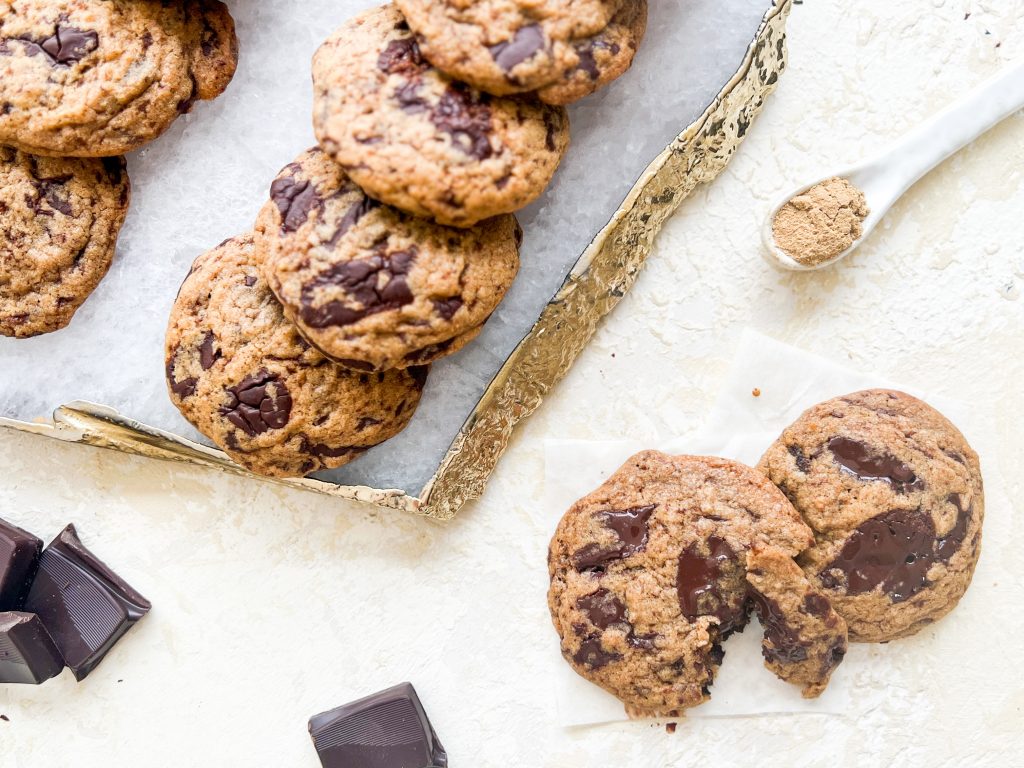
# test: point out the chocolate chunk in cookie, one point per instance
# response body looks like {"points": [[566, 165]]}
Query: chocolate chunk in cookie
{"points": [[416, 139], [98, 78], [507, 46], [241, 373], [895, 497], [804, 638], [59, 222], [648, 574], [369, 286]]}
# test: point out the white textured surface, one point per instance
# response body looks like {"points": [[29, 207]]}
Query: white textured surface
{"points": [[207, 178], [272, 605]]}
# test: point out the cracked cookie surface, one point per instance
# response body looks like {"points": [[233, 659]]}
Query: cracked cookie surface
{"points": [[648, 574], [415, 139], [506, 46], [895, 497], [59, 219], [601, 58], [242, 375], [369, 286], [94, 78], [804, 638]]}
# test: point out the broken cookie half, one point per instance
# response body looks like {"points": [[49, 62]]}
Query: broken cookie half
{"points": [[804, 638]]}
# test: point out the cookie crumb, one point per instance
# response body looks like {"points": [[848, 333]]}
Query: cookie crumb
{"points": [[755, 392], [670, 727], [817, 225]]}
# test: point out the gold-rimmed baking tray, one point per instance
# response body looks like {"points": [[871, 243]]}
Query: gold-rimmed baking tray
{"points": [[593, 286]]}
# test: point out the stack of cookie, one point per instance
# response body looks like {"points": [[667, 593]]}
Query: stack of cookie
{"points": [[81, 83], [862, 522], [297, 347]]}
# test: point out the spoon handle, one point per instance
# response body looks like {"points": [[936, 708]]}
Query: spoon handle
{"points": [[954, 127]]}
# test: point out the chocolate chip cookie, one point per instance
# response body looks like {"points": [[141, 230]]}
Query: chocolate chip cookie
{"points": [[648, 574], [59, 220], [241, 373], [369, 286], [804, 638], [96, 78], [601, 58], [506, 46], [894, 495], [420, 141]]}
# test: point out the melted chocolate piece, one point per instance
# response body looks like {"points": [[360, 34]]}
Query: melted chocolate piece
{"points": [[781, 642], [593, 654], [19, 558], [588, 63], [466, 117], [207, 354], [51, 192], [603, 609], [185, 387], [802, 462], [859, 459], [817, 605], [85, 606], [699, 584], [295, 200], [892, 551], [948, 545], [323, 451], [352, 217], [27, 654], [66, 46], [642, 642], [447, 308], [402, 57], [630, 525], [526, 42], [258, 404], [389, 729], [550, 128], [409, 98], [376, 284]]}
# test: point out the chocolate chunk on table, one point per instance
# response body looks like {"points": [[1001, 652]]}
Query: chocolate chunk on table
{"points": [[19, 556], [386, 730], [85, 606], [27, 654]]}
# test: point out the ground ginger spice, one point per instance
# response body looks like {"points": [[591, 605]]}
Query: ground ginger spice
{"points": [[819, 224]]}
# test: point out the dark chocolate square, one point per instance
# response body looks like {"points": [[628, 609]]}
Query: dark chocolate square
{"points": [[85, 606], [19, 556], [386, 730], [27, 654]]}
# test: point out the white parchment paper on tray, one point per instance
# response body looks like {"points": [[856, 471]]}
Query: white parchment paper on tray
{"points": [[206, 179], [741, 427]]}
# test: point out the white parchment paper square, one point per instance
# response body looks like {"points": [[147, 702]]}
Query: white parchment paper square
{"points": [[740, 426]]}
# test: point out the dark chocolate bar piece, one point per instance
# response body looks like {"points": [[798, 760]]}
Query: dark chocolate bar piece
{"points": [[386, 730], [27, 654], [84, 605], [19, 555]]}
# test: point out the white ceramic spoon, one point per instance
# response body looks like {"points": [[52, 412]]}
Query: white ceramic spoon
{"points": [[886, 177]]}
